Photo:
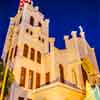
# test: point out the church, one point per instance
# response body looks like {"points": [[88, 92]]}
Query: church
{"points": [[42, 71]]}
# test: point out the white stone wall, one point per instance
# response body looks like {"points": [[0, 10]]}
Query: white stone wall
{"points": [[70, 57]]}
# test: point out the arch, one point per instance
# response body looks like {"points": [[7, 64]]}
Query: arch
{"points": [[61, 73]]}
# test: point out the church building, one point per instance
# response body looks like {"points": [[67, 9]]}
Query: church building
{"points": [[42, 71]]}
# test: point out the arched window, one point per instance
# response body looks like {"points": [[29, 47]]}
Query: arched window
{"points": [[74, 77], [22, 77], [37, 80], [32, 54], [31, 21], [25, 52], [47, 78], [84, 75], [30, 81], [61, 73], [39, 57]]}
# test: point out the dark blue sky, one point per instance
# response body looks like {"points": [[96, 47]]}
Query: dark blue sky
{"points": [[64, 15]]}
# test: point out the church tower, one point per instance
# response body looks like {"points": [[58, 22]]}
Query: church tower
{"points": [[42, 71], [25, 46]]}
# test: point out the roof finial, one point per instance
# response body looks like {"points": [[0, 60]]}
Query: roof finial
{"points": [[81, 28], [82, 33]]}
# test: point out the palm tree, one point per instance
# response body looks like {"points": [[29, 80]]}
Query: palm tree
{"points": [[10, 78]]}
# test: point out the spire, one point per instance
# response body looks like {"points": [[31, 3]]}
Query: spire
{"points": [[22, 2]]}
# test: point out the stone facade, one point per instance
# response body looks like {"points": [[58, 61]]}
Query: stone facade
{"points": [[42, 71]]}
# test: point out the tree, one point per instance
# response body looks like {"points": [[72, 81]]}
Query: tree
{"points": [[9, 81]]}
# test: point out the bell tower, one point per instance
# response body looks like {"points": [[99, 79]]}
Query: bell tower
{"points": [[28, 21], [27, 41]]}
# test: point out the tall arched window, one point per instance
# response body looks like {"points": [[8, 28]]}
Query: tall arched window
{"points": [[47, 77], [25, 52], [31, 21], [61, 73], [39, 57], [32, 56], [30, 81], [22, 77], [37, 80], [74, 77], [85, 77]]}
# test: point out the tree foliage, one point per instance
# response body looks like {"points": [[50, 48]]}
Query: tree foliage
{"points": [[9, 81]]}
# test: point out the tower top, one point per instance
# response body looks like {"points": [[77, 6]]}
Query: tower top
{"points": [[22, 2]]}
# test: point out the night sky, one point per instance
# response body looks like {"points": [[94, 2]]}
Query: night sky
{"points": [[65, 16]]}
